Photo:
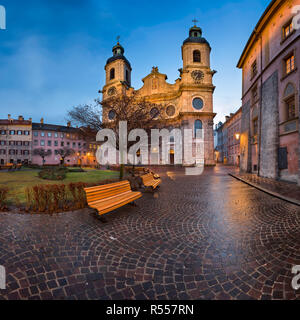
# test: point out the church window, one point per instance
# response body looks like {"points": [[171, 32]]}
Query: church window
{"points": [[112, 73], [170, 111], [197, 126], [111, 114], [197, 56], [198, 103], [154, 113]]}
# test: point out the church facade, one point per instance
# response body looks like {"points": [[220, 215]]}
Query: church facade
{"points": [[188, 103]]}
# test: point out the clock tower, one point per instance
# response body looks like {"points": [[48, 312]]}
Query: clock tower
{"points": [[197, 88]]}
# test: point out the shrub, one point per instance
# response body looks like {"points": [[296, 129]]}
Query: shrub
{"points": [[78, 194], [53, 173], [59, 197], [46, 198], [3, 198]]}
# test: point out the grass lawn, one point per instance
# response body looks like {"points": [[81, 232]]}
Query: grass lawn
{"points": [[17, 181]]}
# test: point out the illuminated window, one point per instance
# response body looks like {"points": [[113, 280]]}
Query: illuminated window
{"points": [[290, 64], [287, 29]]}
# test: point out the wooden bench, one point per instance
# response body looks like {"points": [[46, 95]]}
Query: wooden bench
{"points": [[149, 181], [109, 197]]}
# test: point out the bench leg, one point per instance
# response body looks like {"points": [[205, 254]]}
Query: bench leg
{"points": [[133, 204], [102, 219]]}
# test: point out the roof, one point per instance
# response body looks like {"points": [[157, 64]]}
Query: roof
{"points": [[196, 40], [53, 127], [257, 28], [15, 122], [117, 57]]}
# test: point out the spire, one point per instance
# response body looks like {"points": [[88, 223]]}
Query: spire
{"points": [[118, 53], [195, 21]]}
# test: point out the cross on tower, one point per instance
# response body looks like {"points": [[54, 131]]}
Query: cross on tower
{"points": [[118, 38], [195, 21]]}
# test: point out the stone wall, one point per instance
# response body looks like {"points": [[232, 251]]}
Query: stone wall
{"points": [[269, 128]]}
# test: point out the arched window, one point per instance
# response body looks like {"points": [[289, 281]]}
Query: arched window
{"points": [[127, 76], [196, 56], [112, 73], [198, 126], [290, 102]]}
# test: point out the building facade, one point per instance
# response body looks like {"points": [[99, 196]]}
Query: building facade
{"points": [[233, 137], [15, 140], [228, 147], [188, 103], [19, 138], [55, 137], [271, 86]]}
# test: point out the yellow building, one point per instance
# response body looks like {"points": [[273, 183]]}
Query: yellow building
{"points": [[188, 103]]}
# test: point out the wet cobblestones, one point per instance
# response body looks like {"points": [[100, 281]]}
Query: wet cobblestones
{"points": [[203, 237]]}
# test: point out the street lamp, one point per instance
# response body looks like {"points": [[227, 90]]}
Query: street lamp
{"points": [[237, 136]]}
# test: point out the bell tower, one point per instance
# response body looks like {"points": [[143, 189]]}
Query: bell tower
{"points": [[118, 72]]}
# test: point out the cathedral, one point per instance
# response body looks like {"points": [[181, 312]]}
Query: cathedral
{"points": [[188, 103]]}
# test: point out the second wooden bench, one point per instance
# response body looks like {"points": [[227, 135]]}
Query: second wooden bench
{"points": [[149, 181]]}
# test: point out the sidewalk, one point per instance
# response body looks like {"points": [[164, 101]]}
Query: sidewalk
{"points": [[283, 190]]}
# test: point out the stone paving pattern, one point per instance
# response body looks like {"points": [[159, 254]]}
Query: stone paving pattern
{"points": [[286, 189], [203, 237]]}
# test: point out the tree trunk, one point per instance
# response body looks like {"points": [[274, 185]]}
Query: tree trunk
{"points": [[121, 171]]}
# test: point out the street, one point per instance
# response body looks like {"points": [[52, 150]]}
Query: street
{"points": [[198, 237]]}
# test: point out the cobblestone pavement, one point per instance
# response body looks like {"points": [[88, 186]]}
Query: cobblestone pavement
{"points": [[198, 237], [286, 189]]}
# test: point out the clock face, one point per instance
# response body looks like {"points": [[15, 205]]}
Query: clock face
{"points": [[197, 75]]}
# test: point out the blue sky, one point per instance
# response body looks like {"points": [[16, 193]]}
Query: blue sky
{"points": [[53, 53]]}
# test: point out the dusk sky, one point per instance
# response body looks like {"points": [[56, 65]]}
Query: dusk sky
{"points": [[53, 53]]}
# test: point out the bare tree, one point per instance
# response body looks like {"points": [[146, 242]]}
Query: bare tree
{"points": [[42, 153], [135, 110], [65, 153]]}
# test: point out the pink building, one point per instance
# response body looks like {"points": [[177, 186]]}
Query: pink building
{"points": [[55, 137], [270, 112]]}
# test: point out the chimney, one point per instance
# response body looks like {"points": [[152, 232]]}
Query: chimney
{"points": [[9, 117], [20, 118], [42, 120], [30, 119], [69, 124], [227, 118]]}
